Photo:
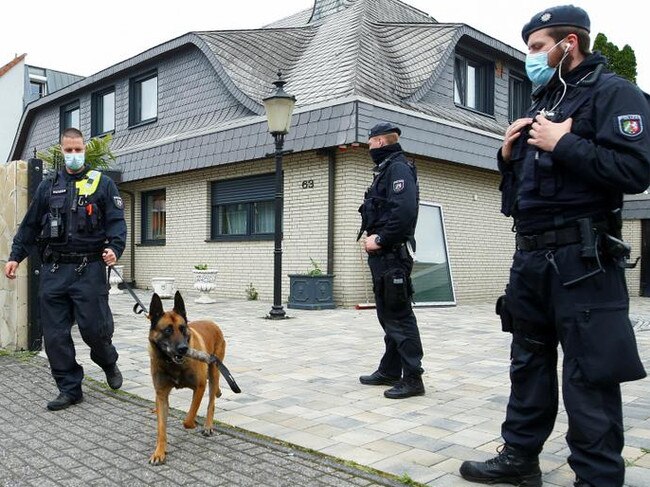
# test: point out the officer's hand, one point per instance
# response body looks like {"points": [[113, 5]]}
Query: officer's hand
{"points": [[109, 257], [545, 134], [512, 133], [10, 269], [371, 245]]}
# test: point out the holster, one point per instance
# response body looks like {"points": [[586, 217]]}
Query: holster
{"points": [[502, 310]]}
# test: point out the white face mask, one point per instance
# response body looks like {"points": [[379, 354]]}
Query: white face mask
{"points": [[74, 162], [537, 68]]}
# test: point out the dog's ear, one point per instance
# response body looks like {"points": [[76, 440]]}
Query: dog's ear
{"points": [[179, 305], [155, 310]]}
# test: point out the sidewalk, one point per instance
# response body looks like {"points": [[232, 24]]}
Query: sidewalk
{"points": [[299, 381], [107, 440]]}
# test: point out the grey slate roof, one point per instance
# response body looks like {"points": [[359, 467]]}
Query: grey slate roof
{"points": [[355, 62], [380, 49]]}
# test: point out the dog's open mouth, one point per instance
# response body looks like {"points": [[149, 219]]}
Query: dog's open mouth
{"points": [[178, 359]]}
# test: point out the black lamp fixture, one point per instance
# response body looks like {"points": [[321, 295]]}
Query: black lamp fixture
{"points": [[278, 107]]}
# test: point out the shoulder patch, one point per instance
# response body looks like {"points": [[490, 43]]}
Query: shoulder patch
{"points": [[398, 186], [117, 201], [630, 125]]}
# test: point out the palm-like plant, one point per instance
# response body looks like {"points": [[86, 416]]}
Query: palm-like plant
{"points": [[98, 154]]}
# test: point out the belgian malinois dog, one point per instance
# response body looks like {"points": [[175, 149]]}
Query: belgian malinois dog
{"points": [[184, 355]]}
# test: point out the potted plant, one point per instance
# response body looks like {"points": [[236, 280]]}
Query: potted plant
{"points": [[205, 280], [312, 290]]}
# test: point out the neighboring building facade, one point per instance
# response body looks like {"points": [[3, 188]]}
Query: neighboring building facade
{"points": [[21, 84], [191, 141]]}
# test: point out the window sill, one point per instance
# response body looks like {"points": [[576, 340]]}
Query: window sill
{"points": [[103, 134], [143, 122], [474, 110], [240, 238], [151, 243]]}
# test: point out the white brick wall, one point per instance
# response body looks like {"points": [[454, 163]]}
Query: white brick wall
{"points": [[479, 238]]}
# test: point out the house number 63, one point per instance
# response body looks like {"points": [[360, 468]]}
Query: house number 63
{"points": [[308, 184]]}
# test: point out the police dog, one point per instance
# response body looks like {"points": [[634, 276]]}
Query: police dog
{"points": [[172, 340]]}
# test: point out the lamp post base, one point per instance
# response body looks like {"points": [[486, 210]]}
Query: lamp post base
{"points": [[277, 313]]}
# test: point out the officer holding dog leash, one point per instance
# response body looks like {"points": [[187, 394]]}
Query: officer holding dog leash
{"points": [[565, 168], [389, 214], [78, 220]]}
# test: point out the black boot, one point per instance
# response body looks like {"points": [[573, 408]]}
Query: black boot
{"points": [[509, 467], [407, 387], [63, 401], [113, 376], [378, 379]]}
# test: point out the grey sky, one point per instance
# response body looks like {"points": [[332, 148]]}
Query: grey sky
{"points": [[83, 37]]}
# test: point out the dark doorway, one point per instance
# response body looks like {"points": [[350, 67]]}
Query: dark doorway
{"points": [[645, 258]]}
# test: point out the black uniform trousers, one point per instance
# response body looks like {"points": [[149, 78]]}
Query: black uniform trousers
{"points": [[587, 319], [67, 296], [403, 355]]}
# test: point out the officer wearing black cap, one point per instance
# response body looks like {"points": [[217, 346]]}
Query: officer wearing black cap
{"points": [[389, 214], [565, 168], [78, 220]]}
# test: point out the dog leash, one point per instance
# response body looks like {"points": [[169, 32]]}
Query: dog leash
{"points": [[213, 359], [138, 307]]}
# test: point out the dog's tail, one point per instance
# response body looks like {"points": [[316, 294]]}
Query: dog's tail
{"points": [[209, 358]]}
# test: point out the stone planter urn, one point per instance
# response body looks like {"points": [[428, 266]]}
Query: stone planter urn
{"points": [[164, 286], [311, 292], [205, 280], [114, 280]]}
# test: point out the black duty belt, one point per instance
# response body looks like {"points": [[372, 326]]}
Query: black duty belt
{"points": [[398, 250], [73, 257], [549, 240]]}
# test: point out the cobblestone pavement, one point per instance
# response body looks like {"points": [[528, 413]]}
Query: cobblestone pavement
{"points": [[299, 379], [107, 440]]}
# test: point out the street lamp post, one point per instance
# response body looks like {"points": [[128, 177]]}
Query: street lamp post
{"points": [[279, 107]]}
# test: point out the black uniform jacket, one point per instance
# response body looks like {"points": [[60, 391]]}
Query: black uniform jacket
{"points": [[606, 154], [108, 215], [390, 207]]}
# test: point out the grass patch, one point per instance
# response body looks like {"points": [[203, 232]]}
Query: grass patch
{"points": [[645, 450], [407, 480], [21, 356]]}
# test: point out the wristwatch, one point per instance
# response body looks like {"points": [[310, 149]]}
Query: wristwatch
{"points": [[378, 240]]}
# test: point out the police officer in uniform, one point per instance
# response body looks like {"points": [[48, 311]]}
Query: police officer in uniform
{"points": [[565, 168], [77, 218], [389, 214]]}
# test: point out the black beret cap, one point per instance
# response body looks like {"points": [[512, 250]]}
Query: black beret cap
{"points": [[563, 15], [384, 128]]}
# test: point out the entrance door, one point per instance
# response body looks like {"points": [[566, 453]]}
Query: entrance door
{"points": [[431, 271]]}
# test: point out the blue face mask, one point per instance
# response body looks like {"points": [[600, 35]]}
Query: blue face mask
{"points": [[74, 162], [537, 68]]}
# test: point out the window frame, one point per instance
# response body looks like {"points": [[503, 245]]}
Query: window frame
{"points": [[69, 108], [525, 96], [145, 222], [442, 235], [42, 87], [135, 99], [249, 202], [484, 82], [98, 112]]}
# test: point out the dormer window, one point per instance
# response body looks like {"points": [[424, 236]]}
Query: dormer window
{"points": [[474, 83], [520, 90], [37, 82], [143, 99]]}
